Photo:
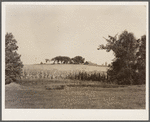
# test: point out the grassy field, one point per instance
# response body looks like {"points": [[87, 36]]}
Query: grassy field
{"points": [[71, 94]]}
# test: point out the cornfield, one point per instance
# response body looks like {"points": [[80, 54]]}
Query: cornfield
{"points": [[57, 74]]}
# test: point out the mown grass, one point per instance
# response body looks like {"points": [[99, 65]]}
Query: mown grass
{"points": [[75, 94]]}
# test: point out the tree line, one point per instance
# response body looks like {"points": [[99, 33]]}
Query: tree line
{"points": [[66, 60]]}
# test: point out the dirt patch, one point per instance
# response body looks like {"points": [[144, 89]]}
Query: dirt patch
{"points": [[13, 85]]}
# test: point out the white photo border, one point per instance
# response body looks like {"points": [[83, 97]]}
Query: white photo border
{"points": [[73, 114]]}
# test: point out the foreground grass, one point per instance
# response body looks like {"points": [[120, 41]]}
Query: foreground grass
{"points": [[73, 94]]}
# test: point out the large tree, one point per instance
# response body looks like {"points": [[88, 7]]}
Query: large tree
{"points": [[13, 64], [124, 47], [78, 59]]}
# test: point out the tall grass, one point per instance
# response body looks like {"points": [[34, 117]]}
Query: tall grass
{"points": [[87, 76], [57, 74]]}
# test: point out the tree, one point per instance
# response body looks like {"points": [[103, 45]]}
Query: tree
{"points": [[124, 47], [78, 59], [13, 64], [62, 59], [46, 60], [66, 60], [141, 60], [53, 59]]}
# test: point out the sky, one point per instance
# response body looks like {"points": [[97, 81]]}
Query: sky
{"points": [[45, 31]]}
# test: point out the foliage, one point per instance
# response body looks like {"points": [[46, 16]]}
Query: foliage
{"points": [[13, 64], [78, 60], [141, 60], [123, 68], [62, 59], [66, 60], [46, 60]]}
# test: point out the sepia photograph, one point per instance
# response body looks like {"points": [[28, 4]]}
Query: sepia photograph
{"points": [[68, 58]]}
